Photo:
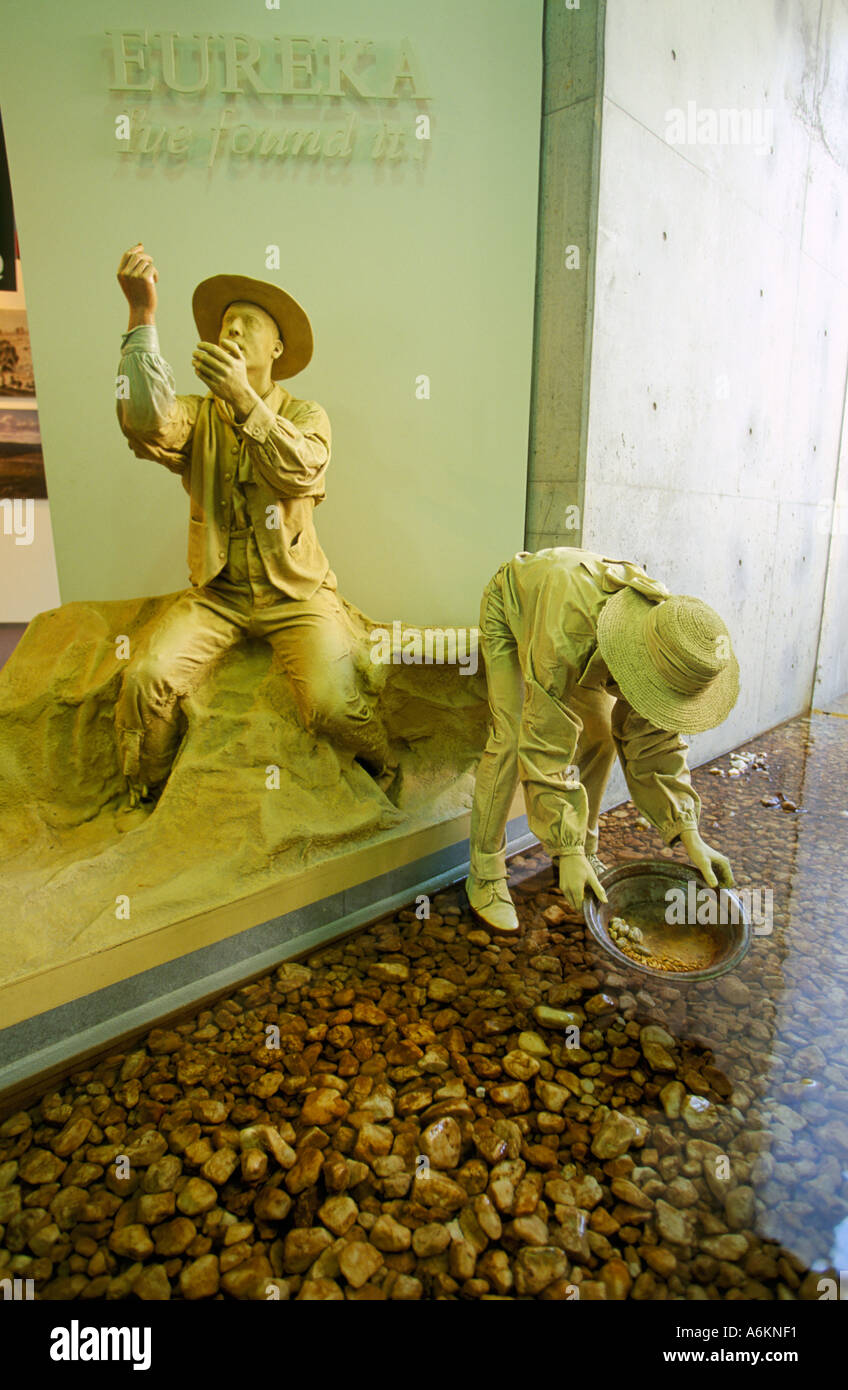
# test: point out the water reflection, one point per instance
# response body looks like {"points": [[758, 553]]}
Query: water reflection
{"points": [[777, 1028]]}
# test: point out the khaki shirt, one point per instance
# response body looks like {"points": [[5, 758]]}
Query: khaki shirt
{"points": [[280, 454], [552, 600]]}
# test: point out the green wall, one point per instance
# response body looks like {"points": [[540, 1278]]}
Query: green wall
{"points": [[421, 265]]}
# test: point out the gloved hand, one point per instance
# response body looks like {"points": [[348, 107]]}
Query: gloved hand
{"points": [[575, 876], [707, 860]]}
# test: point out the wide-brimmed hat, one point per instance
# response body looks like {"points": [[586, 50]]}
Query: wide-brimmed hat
{"points": [[213, 296], [672, 661]]}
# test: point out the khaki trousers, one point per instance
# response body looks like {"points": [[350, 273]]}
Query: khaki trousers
{"points": [[312, 638], [511, 746]]}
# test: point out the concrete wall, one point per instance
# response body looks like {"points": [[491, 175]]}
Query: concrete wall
{"points": [[832, 665], [565, 272], [721, 331]]}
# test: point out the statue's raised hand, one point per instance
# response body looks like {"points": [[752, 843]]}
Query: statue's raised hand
{"points": [[137, 276]]}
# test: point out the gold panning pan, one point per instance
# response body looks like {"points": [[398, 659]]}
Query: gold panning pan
{"points": [[677, 917]]}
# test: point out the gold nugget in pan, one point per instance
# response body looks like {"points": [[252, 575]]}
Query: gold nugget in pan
{"points": [[663, 947]]}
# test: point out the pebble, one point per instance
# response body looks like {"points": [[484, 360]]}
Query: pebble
{"points": [[392, 972], [530, 1230], [221, 1166], [572, 1227], [338, 1214], [739, 1208], [661, 1261], [733, 990], [303, 1246], [615, 1136], [724, 1247], [132, 1241], [152, 1284], [74, 1134], [249, 1280], [673, 1225], [154, 1207], [201, 1278], [558, 1019], [682, 1193], [442, 1143], [16, 1124], [520, 1065], [174, 1237], [513, 1097], [617, 1280], [672, 1096], [552, 1096], [537, 1269], [304, 1173], [272, 1204], [628, 1192], [39, 1166], [430, 1239], [657, 1047], [390, 1235], [601, 1004], [266, 1139], [358, 1262], [322, 1106], [404, 1287], [435, 1189], [162, 1175], [534, 1044], [699, 1113], [320, 1291], [196, 1197], [373, 1142]]}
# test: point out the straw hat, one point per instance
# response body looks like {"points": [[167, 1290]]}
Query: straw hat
{"points": [[672, 660], [213, 296]]}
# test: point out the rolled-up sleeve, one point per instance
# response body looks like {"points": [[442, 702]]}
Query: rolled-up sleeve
{"points": [[656, 771], [291, 454], [157, 423]]}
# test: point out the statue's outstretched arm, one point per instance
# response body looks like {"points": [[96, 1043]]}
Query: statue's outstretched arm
{"points": [[156, 421]]}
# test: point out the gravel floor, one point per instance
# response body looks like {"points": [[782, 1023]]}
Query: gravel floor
{"points": [[402, 1115]]}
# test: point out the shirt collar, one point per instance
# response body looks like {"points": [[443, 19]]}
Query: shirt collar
{"points": [[276, 397]]}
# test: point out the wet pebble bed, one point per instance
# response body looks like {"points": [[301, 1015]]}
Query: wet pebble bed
{"points": [[405, 1115]]}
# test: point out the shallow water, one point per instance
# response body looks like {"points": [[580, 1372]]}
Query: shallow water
{"points": [[786, 1045]]}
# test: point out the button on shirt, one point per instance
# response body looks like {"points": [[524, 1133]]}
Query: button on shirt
{"points": [[245, 568]]}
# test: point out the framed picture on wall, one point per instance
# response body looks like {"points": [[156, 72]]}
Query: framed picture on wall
{"points": [[16, 375], [21, 459]]}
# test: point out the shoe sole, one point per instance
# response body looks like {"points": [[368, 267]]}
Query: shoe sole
{"points": [[496, 931]]}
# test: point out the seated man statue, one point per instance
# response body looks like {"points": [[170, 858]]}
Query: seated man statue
{"points": [[586, 657], [253, 460]]}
